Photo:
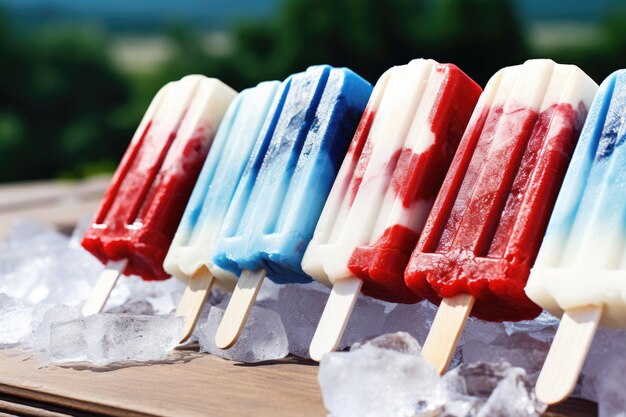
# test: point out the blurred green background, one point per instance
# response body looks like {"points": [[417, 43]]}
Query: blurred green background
{"points": [[76, 76]]}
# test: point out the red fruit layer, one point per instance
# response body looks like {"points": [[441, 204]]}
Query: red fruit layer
{"points": [[360, 152], [415, 178], [141, 209], [483, 233]]}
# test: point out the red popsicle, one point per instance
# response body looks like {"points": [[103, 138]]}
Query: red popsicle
{"points": [[484, 231], [137, 219]]}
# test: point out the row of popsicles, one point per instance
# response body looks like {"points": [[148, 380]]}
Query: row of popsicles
{"points": [[423, 187]]}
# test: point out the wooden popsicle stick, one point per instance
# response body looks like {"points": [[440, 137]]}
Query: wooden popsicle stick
{"points": [[446, 329], [100, 294], [567, 354], [193, 299], [335, 317], [239, 308]]}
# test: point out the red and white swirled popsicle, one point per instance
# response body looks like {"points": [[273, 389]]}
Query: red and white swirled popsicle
{"points": [[386, 187], [484, 231], [137, 218]]}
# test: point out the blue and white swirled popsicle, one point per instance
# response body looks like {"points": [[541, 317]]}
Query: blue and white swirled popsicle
{"points": [[582, 258], [191, 252], [279, 199]]}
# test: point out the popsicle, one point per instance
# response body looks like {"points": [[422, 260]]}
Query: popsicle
{"points": [[485, 228], [190, 254], [283, 189], [137, 218], [385, 188], [579, 272]]}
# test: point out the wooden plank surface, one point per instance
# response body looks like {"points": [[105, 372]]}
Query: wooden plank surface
{"points": [[10, 408], [55, 202], [190, 384], [18, 196]]}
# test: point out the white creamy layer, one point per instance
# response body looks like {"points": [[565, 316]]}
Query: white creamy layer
{"points": [[200, 104], [402, 101]]}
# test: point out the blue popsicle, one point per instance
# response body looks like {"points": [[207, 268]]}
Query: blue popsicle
{"points": [[580, 271], [581, 261], [289, 175], [192, 248]]}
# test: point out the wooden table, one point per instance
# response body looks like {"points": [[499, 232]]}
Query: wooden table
{"points": [[187, 384], [62, 203]]}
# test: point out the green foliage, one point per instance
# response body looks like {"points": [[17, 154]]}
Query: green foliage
{"points": [[58, 92], [369, 36], [66, 110]]}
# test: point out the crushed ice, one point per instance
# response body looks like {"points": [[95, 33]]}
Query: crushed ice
{"points": [[388, 377], [45, 276]]}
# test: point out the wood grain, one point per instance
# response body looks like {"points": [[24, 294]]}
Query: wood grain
{"points": [[567, 354], [10, 408], [190, 384], [446, 330], [335, 317], [62, 204], [239, 308], [193, 300], [26, 195]]}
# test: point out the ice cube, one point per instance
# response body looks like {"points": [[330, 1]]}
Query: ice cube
{"points": [[26, 229], [56, 314], [216, 297], [542, 328], [128, 337], [141, 307], [367, 320], [480, 330], [45, 268], [513, 397], [40, 265], [490, 389], [107, 338], [67, 341], [80, 229], [415, 319], [609, 387], [162, 295], [603, 373], [401, 342], [520, 349], [15, 320], [262, 339], [301, 306], [374, 381], [268, 294]]}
